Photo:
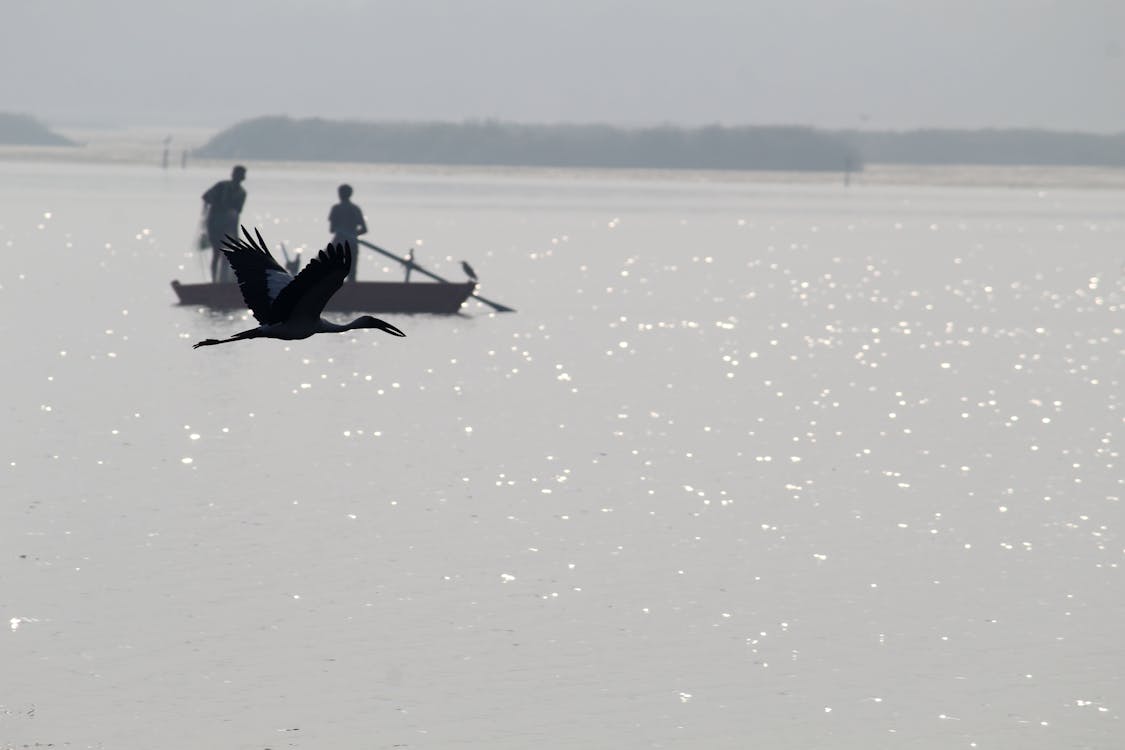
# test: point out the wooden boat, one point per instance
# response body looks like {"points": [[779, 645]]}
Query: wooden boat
{"points": [[445, 297], [357, 296]]}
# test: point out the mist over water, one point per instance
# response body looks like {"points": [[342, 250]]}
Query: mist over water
{"points": [[776, 465]]}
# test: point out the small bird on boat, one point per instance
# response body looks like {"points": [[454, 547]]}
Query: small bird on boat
{"points": [[468, 270], [288, 307]]}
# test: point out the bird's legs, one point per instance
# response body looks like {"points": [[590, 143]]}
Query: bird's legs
{"points": [[253, 333]]}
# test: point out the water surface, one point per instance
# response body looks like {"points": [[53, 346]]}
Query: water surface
{"points": [[753, 465]]}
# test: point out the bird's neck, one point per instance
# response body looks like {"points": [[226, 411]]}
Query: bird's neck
{"points": [[327, 326]]}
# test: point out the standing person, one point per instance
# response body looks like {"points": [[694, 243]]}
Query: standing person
{"points": [[222, 205], [346, 223]]}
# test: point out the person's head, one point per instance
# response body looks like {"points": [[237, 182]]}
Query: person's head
{"points": [[238, 174], [344, 191]]}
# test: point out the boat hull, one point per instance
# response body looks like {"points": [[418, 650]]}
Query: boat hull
{"points": [[358, 296]]}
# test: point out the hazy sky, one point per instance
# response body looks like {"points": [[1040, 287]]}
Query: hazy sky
{"points": [[832, 63]]}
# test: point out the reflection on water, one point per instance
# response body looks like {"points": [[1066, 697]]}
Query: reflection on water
{"points": [[813, 466]]}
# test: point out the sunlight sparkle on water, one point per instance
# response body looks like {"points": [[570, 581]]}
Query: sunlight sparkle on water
{"points": [[796, 468]]}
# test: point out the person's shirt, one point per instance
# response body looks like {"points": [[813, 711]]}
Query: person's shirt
{"points": [[226, 199], [346, 218]]}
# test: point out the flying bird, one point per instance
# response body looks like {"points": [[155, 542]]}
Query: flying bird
{"points": [[289, 307]]}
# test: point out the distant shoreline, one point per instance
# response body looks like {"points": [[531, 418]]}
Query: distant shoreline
{"points": [[497, 143], [145, 146], [18, 129], [714, 147]]}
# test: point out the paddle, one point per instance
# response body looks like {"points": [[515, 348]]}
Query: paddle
{"points": [[411, 264]]}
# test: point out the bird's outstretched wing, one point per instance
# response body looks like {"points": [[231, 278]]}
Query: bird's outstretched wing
{"points": [[260, 278], [309, 292]]}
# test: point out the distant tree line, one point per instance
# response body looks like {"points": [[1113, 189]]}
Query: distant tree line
{"points": [[999, 147], [666, 147], [498, 143], [24, 130]]}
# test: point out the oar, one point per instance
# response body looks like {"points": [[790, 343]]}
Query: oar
{"points": [[411, 264]]}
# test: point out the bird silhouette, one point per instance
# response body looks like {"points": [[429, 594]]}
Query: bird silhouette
{"points": [[468, 270], [289, 307]]}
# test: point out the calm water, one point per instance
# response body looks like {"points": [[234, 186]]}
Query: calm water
{"points": [[753, 466]]}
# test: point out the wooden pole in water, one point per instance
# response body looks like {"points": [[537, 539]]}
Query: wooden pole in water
{"points": [[411, 264]]}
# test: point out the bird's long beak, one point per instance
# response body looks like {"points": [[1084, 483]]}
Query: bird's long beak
{"points": [[385, 326]]}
